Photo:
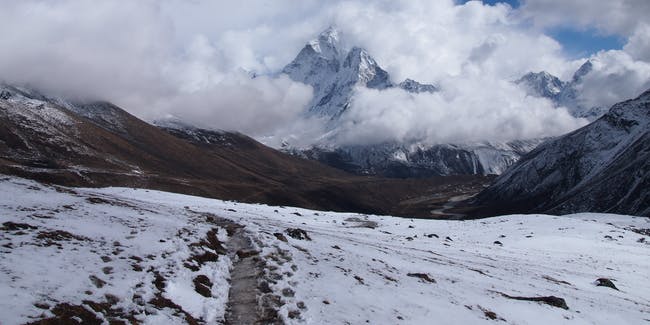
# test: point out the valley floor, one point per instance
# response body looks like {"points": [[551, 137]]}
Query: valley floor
{"points": [[142, 256]]}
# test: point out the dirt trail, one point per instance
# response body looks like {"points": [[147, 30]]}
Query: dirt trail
{"points": [[242, 297], [453, 201]]}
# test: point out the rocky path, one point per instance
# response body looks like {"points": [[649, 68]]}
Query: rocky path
{"points": [[243, 294]]}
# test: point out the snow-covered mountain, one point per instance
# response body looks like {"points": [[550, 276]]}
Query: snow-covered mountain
{"points": [[562, 93], [125, 255], [604, 166], [421, 160], [335, 72]]}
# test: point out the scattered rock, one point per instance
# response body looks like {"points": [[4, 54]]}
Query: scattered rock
{"points": [[97, 200], [487, 313], [496, 242], [448, 239], [296, 213], [71, 314], [294, 314], [247, 253], [280, 237], [111, 299], [422, 276], [99, 283], [203, 285], [297, 233], [301, 305], [640, 240], [288, 292], [549, 300], [50, 237], [336, 247], [41, 305], [554, 280], [203, 256], [490, 314], [12, 226], [605, 282], [326, 302], [432, 235], [107, 270], [359, 279], [136, 258], [264, 287], [642, 231]]}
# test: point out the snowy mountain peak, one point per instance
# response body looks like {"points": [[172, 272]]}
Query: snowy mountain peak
{"points": [[561, 93], [334, 73], [327, 45], [542, 84], [584, 69], [331, 36], [368, 72]]}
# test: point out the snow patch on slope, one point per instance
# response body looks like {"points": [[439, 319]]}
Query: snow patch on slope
{"points": [[354, 269]]}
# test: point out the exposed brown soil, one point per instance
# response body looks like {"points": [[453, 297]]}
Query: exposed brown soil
{"points": [[95, 153]]}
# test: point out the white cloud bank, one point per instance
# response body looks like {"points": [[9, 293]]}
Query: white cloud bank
{"points": [[189, 59]]}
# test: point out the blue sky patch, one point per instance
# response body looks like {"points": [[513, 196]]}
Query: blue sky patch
{"points": [[576, 42]]}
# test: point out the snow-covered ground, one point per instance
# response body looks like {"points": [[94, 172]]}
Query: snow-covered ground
{"points": [[139, 253]]}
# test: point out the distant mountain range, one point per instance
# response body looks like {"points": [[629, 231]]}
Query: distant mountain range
{"points": [[562, 93], [335, 73], [602, 167]]}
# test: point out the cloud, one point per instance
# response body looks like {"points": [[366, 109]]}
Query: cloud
{"points": [[620, 17], [192, 59], [473, 113], [130, 53], [616, 76], [638, 45], [259, 106], [432, 40]]}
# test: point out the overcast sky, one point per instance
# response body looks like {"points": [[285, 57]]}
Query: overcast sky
{"points": [[192, 59]]}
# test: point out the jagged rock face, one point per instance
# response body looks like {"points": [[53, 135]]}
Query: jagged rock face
{"points": [[561, 93], [334, 73], [542, 84], [602, 167], [413, 86], [103, 114], [419, 160]]}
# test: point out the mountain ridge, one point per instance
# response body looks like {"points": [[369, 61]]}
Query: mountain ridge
{"points": [[602, 167], [562, 93], [107, 146]]}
